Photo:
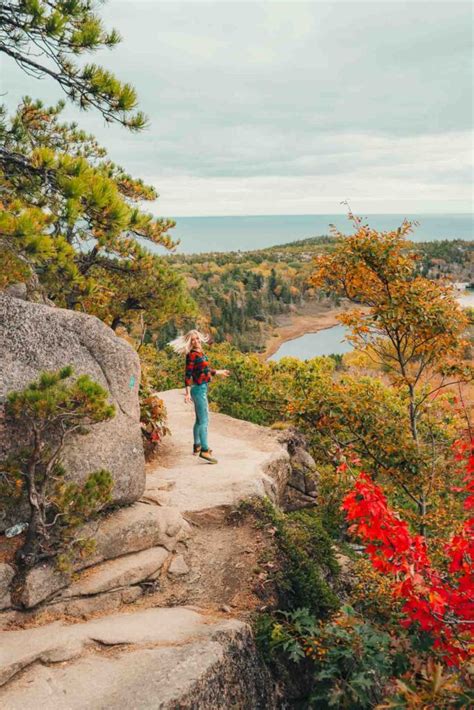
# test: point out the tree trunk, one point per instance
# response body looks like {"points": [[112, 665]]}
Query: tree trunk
{"points": [[28, 554]]}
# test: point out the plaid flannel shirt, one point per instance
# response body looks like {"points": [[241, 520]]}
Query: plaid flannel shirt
{"points": [[197, 369]]}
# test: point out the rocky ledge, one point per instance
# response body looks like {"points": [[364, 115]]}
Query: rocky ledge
{"points": [[175, 548], [158, 658]]}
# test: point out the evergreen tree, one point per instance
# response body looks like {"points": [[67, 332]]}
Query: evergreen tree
{"points": [[44, 38], [272, 283], [72, 220], [47, 412]]}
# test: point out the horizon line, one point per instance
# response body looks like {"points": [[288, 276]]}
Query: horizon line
{"points": [[321, 214]]}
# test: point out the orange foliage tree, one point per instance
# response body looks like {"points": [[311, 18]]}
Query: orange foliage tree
{"points": [[413, 328]]}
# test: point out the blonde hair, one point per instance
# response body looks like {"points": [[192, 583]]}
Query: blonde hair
{"points": [[182, 344]]}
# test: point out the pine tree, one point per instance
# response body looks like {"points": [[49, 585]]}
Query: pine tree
{"points": [[44, 38], [72, 221], [48, 412]]}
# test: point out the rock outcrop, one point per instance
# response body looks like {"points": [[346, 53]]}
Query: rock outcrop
{"points": [[302, 486], [165, 658], [253, 462], [184, 552], [140, 528], [35, 338]]}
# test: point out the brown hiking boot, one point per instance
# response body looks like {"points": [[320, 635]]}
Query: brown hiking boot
{"points": [[206, 455], [197, 450]]}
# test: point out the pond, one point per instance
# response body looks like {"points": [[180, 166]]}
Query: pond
{"points": [[330, 341]]}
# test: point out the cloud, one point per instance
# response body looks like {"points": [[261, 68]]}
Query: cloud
{"points": [[275, 98], [369, 191]]}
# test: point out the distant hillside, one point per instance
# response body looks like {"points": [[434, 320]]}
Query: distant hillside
{"points": [[242, 292], [301, 247]]}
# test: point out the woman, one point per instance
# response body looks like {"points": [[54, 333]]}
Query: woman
{"points": [[196, 380]]}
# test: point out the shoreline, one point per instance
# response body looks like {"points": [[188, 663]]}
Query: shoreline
{"points": [[302, 323], [319, 317]]}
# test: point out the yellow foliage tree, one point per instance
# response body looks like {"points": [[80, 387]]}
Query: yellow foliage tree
{"points": [[413, 328]]}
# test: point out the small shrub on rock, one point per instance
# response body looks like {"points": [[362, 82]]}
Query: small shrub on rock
{"points": [[153, 415], [153, 418], [47, 412]]}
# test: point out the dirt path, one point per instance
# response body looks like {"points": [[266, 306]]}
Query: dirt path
{"points": [[184, 642], [224, 552]]}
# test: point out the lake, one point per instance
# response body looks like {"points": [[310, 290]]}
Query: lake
{"points": [[330, 341], [203, 234]]}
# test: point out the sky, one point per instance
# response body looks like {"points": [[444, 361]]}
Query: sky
{"points": [[290, 107]]}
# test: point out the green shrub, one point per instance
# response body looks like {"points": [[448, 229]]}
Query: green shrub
{"points": [[343, 662], [353, 663], [47, 412], [305, 558]]}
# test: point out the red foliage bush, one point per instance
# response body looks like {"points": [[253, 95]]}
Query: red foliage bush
{"points": [[442, 604]]}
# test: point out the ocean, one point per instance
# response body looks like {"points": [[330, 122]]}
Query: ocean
{"points": [[204, 234]]}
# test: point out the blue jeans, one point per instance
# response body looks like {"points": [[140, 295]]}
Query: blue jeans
{"points": [[199, 397]]}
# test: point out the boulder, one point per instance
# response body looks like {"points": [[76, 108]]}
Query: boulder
{"points": [[138, 527], [121, 572], [165, 658], [121, 532], [84, 607], [303, 482], [41, 582], [178, 566], [35, 337]]}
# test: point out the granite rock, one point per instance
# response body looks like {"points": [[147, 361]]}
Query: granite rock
{"points": [[168, 659], [120, 572], [6, 575], [178, 566], [121, 532], [35, 337]]}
